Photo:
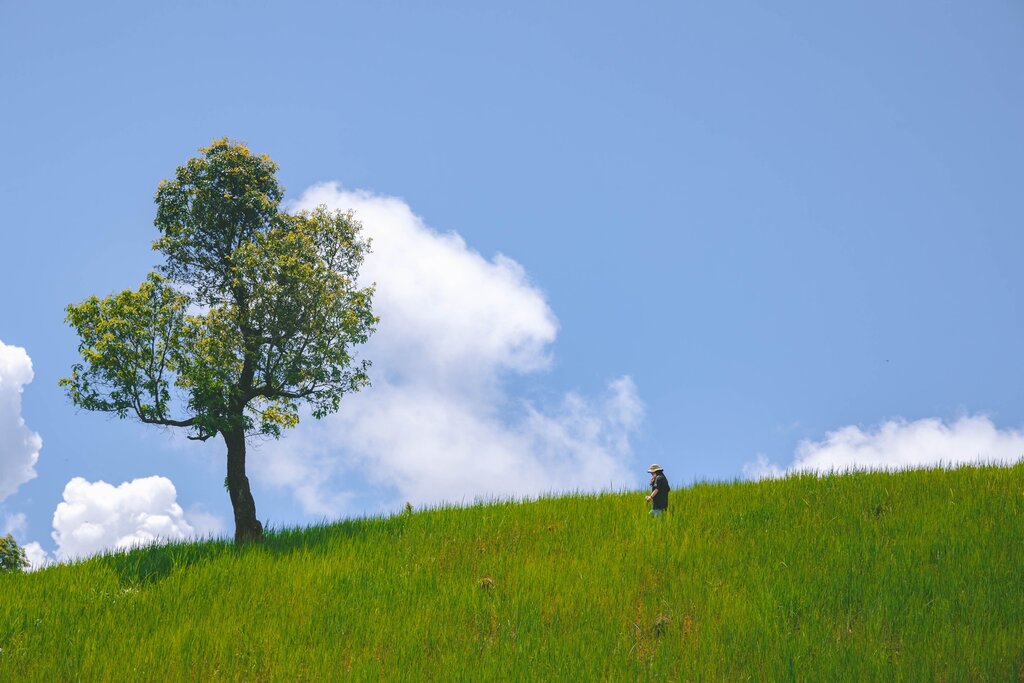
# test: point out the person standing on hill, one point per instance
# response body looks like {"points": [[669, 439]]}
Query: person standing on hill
{"points": [[659, 490]]}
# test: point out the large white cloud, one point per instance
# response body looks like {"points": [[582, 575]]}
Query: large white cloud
{"points": [[19, 446], [440, 422], [899, 444], [96, 516], [448, 314]]}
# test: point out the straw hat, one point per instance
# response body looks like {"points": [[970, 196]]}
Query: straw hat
{"points": [[655, 468]]}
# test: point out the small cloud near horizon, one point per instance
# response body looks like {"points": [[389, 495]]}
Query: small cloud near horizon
{"points": [[96, 516], [899, 444]]}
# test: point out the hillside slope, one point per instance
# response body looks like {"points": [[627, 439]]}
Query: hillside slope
{"points": [[870, 576]]}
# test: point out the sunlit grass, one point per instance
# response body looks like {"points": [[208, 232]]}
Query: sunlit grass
{"points": [[868, 576]]}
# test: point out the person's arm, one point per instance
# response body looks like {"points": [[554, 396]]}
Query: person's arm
{"points": [[653, 494]]}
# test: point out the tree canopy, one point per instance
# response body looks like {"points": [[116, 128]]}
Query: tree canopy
{"points": [[12, 556], [253, 313]]}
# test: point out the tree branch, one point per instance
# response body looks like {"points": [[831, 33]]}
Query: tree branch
{"points": [[266, 391], [167, 423]]}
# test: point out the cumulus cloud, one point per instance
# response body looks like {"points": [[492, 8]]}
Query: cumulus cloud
{"points": [[19, 446], [440, 422], [899, 444], [427, 446], [96, 516], [36, 556], [448, 314]]}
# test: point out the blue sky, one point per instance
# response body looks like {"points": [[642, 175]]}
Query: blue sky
{"points": [[749, 228]]}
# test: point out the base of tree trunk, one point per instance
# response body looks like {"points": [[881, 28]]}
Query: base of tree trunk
{"points": [[249, 533], [248, 528]]}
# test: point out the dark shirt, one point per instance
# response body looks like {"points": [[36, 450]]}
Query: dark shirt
{"points": [[660, 500]]}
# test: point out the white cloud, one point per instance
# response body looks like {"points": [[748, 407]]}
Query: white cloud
{"points": [[36, 556], [14, 524], [448, 314], [97, 516], [440, 423], [19, 446], [203, 522], [762, 468], [899, 444]]}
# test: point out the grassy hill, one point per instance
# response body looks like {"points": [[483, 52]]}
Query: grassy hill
{"points": [[916, 575]]}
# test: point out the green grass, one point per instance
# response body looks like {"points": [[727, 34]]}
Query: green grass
{"points": [[915, 575]]}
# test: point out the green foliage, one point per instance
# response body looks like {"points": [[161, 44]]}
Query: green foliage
{"points": [[130, 343], [216, 204], [12, 556], [253, 312], [869, 576]]}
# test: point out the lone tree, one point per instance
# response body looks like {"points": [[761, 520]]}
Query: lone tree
{"points": [[254, 312], [12, 556]]}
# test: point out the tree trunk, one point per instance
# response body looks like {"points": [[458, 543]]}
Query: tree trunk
{"points": [[247, 527]]}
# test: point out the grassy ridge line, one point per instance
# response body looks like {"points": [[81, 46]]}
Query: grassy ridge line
{"points": [[914, 575]]}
